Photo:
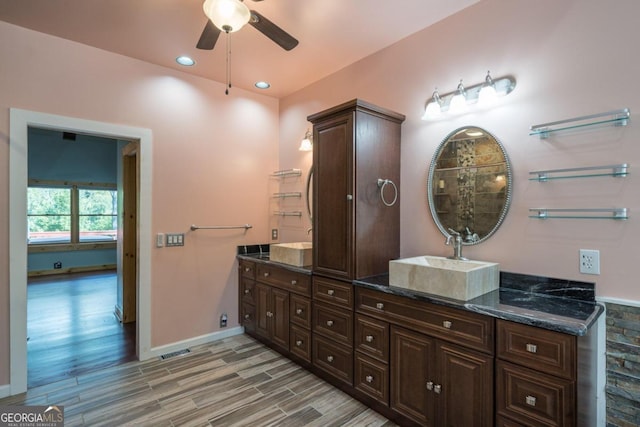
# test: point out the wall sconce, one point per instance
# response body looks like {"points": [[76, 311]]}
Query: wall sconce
{"points": [[458, 101], [307, 142]]}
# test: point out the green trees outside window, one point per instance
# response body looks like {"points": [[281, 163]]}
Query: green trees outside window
{"points": [[71, 215]]}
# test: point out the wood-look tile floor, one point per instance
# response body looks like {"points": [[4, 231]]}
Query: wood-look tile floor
{"points": [[232, 382]]}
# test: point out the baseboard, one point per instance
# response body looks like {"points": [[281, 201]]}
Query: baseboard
{"points": [[192, 342], [5, 390]]}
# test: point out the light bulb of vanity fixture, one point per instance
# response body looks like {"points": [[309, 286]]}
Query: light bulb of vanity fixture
{"points": [[458, 103], [227, 15], [434, 107], [488, 94], [306, 144]]}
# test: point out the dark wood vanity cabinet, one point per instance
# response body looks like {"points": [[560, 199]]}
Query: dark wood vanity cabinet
{"points": [[275, 307], [440, 360], [354, 233]]}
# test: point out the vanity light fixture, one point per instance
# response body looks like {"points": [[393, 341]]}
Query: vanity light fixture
{"points": [[434, 107], [307, 142], [458, 101]]}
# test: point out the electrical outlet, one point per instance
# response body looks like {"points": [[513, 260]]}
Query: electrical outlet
{"points": [[274, 234], [589, 261], [223, 320]]}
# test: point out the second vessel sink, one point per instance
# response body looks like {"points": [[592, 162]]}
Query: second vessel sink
{"points": [[461, 280], [298, 253]]}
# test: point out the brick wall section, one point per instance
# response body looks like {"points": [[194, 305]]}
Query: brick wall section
{"points": [[623, 366]]}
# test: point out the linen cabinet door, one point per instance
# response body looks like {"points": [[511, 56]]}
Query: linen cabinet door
{"points": [[333, 197], [413, 375]]}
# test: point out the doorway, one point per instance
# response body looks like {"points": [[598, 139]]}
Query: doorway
{"points": [[20, 121]]}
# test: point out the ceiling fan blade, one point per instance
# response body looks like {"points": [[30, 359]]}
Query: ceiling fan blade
{"points": [[209, 36], [271, 30]]}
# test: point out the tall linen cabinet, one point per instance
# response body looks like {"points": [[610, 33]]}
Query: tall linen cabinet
{"points": [[355, 233]]}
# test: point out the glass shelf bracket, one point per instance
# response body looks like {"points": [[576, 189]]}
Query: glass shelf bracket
{"points": [[617, 171], [617, 118], [592, 213]]}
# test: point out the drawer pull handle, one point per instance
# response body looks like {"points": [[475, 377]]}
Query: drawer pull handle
{"points": [[329, 323], [429, 385], [298, 311], [380, 306], [266, 274], [330, 292], [530, 400], [294, 282], [247, 291], [368, 338], [349, 197], [532, 348], [330, 359], [447, 324], [269, 314], [437, 388], [299, 343], [247, 316], [247, 269], [368, 379]]}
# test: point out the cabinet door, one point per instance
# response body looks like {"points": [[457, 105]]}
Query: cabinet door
{"points": [[412, 375], [333, 197], [465, 395], [262, 298], [280, 318]]}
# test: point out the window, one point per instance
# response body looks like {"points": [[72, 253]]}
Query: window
{"points": [[74, 214], [49, 215]]}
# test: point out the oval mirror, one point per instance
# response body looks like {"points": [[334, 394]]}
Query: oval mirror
{"points": [[469, 185]]}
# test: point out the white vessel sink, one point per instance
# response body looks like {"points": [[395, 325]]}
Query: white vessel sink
{"points": [[297, 253], [461, 280]]}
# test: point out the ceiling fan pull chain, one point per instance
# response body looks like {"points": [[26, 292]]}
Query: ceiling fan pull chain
{"points": [[226, 91]]}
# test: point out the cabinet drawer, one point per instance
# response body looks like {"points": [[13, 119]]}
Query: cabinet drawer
{"points": [[334, 359], [283, 278], [533, 398], [247, 269], [334, 323], [372, 378], [450, 324], [300, 311], [372, 337], [300, 342], [333, 292], [505, 422], [246, 290], [547, 351], [248, 317]]}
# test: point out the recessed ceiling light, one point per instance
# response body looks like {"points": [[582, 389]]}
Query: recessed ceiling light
{"points": [[262, 85], [185, 60]]}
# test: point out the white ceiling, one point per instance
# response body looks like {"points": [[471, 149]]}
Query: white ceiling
{"points": [[332, 33]]}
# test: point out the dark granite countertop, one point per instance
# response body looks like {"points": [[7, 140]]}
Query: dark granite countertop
{"points": [[555, 304], [557, 313], [264, 258]]}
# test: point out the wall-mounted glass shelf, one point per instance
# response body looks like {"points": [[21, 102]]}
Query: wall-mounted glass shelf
{"points": [[287, 172], [292, 194], [617, 171], [593, 213], [617, 118], [291, 213]]}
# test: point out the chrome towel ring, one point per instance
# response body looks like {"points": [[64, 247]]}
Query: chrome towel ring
{"points": [[383, 183]]}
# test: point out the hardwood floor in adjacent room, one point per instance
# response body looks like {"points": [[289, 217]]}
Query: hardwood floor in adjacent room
{"points": [[72, 328], [232, 382]]}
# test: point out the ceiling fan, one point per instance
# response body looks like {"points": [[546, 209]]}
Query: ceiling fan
{"points": [[231, 15]]}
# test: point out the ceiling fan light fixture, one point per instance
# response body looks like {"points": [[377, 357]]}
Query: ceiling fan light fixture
{"points": [[227, 15]]}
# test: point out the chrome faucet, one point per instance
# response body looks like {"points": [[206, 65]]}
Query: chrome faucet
{"points": [[457, 245]]}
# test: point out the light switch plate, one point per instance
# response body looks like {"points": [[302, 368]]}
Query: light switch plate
{"points": [[160, 240]]}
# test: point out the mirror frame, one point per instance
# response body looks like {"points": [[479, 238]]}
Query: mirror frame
{"points": [[508, 193]]}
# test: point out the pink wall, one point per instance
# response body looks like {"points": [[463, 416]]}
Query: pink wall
{"points": [[209, 166], [570, 58]]}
